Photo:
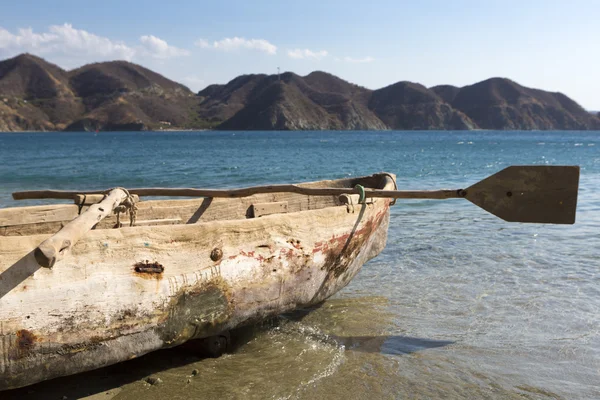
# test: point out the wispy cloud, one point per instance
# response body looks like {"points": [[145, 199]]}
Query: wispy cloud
{"points": [[158, 48], [77, 44], [306, 53], [237, 43], [367, 59], [203, 43], [63, 39]]}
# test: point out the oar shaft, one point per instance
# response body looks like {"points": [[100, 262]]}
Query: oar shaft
{"points": [[243, 192], [414, 194]]}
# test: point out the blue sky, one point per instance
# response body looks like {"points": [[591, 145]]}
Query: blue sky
{"points": [[552, 45]]}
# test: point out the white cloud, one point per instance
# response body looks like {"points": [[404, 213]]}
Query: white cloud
{"points": [[25, 37], [64, 41], [159, 48], [306, 53], [202, 43], [236, 43], [367, 59]]}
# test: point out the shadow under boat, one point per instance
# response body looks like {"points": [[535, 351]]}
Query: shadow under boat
{"points": [[384, 344], [110, 379], [389, 344]]}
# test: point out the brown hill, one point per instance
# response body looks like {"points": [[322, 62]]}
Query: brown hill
{"points": [[289, 102], [37, 95], [446, 92], [119, 77], [30, 77], [20, 116], [278, 106], [221, 102], [118, 95], [500, 103], [139, 111], [407, 105]]}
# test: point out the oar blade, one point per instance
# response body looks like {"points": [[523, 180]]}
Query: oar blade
{"points": [[540, 194]]}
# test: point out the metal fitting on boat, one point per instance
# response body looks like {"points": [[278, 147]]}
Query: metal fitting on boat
{"points": [[216, 254]]}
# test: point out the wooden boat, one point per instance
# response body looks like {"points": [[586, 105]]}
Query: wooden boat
{"points": [[78, 290], [187, 269]]}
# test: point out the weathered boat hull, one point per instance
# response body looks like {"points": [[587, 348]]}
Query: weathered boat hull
{"points": [[122, 293]]}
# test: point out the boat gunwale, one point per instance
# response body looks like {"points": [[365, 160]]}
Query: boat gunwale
{"points": [[73, 210]]}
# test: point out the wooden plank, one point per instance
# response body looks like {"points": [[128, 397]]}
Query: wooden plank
{"points": [[261, 209], [165, 221], [32, 229], [53, 248], [37, 214], [189, 211]]}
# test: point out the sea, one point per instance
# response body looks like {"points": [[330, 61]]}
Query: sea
{"points": [[460, 304]]}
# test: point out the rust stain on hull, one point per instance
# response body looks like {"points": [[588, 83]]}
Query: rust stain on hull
{"points": [[339, 256], [341, 250], [148, 270], [25, 342]]}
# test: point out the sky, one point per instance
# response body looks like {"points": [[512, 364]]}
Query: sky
{"points": [[546, 44]]}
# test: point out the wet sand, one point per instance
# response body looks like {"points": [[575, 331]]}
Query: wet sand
{"points": [[342, 349]]}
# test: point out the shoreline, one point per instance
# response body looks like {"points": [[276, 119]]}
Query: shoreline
{"points": [[318, 130], [93, 132]]}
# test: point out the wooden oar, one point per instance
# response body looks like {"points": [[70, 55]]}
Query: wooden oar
{"points": [[543, 194], [49, 251]]}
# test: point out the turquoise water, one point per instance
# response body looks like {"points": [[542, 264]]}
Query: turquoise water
{"points": [[459, 304]]}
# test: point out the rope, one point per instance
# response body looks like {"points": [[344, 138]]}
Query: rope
{"points": [[361, 191], [128, 205], [82, 204]]}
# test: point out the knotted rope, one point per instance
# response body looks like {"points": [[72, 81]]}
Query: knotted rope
{"points": [[128, 205]]}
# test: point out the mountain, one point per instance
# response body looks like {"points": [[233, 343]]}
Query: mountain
{"points": [[499, 103], [36, 95], [446, 92], [289, 102], [407, 105], [118, 76], [28, 77], [119, 95], [323, 101], [123, 96]]}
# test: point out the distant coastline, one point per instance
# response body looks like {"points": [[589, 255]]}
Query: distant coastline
{"points": [[120, 96], [341, 131]]}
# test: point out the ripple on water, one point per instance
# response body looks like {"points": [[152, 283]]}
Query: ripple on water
{"points": [[466, 305]]}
